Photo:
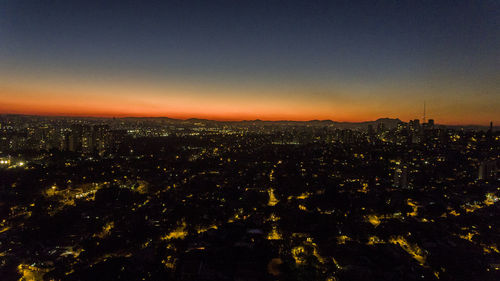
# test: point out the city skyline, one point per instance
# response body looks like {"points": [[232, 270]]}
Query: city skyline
{"points": [[344, 61], [363, 122], [272, 140], [163, 199]]}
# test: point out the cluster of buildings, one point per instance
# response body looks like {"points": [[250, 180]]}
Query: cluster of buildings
{"points": [[82, 138], [225, 201], [87, 139]]}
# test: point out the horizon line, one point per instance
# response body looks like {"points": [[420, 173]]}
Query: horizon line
{"points": [[228, 120]]}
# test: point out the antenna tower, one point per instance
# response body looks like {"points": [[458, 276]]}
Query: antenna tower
{"points": [[424, 113]]}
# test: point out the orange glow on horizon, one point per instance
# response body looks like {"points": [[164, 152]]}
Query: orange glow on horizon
{"points": [[87, 100], [181, 105]]}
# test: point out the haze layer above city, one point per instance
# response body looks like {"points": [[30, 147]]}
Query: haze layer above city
{"points": [[246, 60]]}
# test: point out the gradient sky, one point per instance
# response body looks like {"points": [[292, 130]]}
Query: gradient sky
{"points": [[231, 60]]}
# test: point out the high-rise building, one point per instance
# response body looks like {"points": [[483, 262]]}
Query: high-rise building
{"points": [[76, 138], [401, 176], [380, 128], [431, 123], [414, 125], [488, 170], [371, 133], [100, 139], [88, 139], [401, 126]]}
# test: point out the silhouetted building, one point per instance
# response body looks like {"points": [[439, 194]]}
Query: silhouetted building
{"points": [[414, 125], [401, 176], [88, 139], [401, 126], [431, 123], [371, 132], [380, 128], [75, 138], [488, 170], [100, 139]]}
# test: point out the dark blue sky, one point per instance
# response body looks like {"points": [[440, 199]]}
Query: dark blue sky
{"points": [[447, 48]]}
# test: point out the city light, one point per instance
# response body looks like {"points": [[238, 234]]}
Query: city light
{"points": [[249, 140]]}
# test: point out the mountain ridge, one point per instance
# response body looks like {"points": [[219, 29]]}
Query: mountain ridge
{"points": [[388, 122]]}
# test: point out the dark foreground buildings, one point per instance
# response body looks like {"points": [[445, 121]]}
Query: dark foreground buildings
{"points": [[163, 199]]}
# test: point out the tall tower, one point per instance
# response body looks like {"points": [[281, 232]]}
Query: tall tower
{"points": [[424, 113]]}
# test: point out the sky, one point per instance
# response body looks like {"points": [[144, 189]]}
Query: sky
{"points": [[245, 60]]}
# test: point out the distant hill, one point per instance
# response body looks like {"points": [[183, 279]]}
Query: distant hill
{"points": [[389, 123]]}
